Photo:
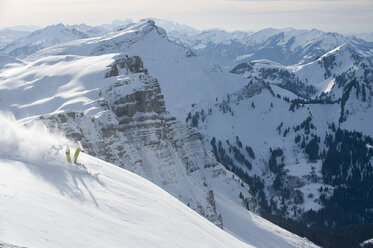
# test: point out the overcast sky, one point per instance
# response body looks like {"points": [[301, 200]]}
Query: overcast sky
{"points": [[346, 16]]}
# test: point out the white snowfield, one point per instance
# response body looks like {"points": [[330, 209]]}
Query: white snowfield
{"points": [[46, 202]]}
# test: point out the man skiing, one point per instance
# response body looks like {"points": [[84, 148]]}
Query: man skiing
{"points": [[76, 154]]}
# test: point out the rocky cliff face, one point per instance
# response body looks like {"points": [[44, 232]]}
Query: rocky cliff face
{"points": [[135, 131]]}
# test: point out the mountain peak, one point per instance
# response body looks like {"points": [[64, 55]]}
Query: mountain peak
{"points": [[52, 28], [149, 25], [148, 21], [60, 25]]}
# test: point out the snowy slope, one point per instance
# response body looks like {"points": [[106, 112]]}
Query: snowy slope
{"points": [[66, 87], [259, 120], [8, 61], [48, 203]]}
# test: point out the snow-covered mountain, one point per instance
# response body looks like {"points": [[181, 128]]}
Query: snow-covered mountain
{"points": [[168, 25], [164, 60], [318, 78], [111, 103], [40, 39], [285, 46]]}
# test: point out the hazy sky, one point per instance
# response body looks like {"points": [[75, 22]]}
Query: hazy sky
{"points": [[346, 16]]}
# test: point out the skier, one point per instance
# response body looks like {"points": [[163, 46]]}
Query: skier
{"points": [[76, 154]]}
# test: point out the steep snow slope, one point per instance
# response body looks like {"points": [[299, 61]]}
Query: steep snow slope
{"points": [[41, 39], [164, 60], [48, 203]]}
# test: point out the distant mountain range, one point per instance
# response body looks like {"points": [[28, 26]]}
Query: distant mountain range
{"points": [[286, 46]]}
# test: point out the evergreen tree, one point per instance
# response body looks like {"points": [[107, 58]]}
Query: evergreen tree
{"points": [[312, 149]]}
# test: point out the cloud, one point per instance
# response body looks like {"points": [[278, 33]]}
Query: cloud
{"points": [[33, 143]]}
